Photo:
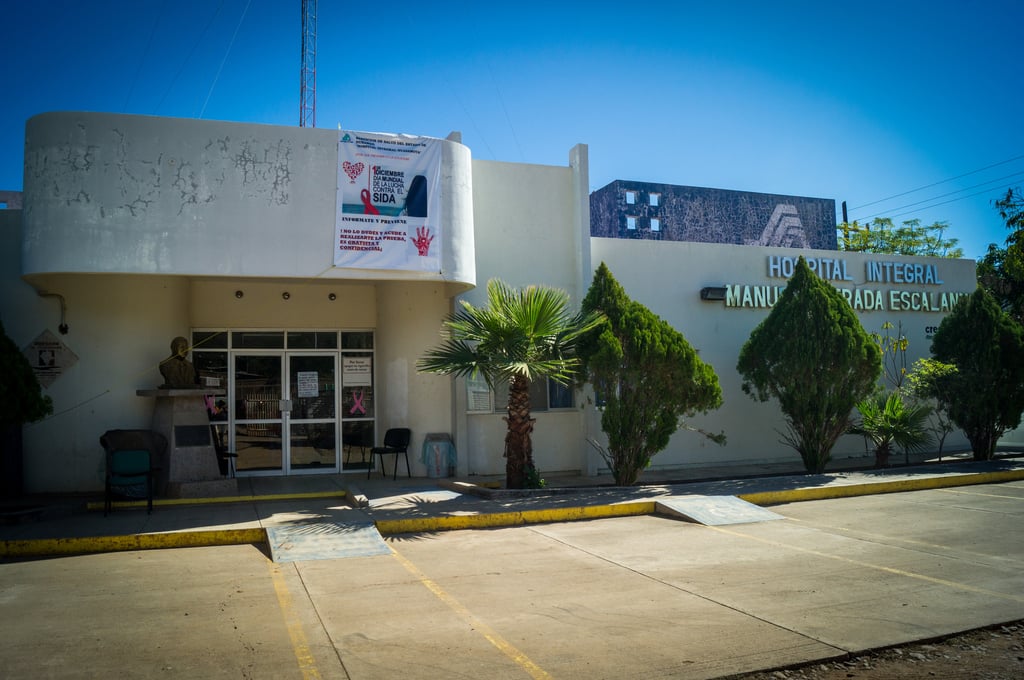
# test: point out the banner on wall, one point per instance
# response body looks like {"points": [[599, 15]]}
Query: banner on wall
{"points": [[388, 202]]}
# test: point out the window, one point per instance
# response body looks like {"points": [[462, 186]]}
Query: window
{"points": [[312, 340], [209, 340], [630, 197], [478, 395], [545, 395], [559, 396], [357, 340], [257, 339], [655, 224], [630, 222], [654, 200]]}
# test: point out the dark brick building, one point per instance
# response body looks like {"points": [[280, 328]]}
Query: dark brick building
{"points": [[641, 210]]}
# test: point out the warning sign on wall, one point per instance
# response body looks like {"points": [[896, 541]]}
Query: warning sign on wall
{"points": [[49, 358]]}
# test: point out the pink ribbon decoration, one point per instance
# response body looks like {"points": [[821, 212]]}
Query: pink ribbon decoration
{"points": [[357, 405]]}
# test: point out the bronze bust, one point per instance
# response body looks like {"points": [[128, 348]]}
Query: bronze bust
{"points": [[176, 369]]}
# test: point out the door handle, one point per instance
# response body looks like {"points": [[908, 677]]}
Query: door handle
{"points": [[285, 405]]}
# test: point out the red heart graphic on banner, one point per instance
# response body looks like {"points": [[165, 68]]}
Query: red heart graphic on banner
{"points": [[353, 170]]}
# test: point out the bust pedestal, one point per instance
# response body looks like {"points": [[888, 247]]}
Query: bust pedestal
{"points": [[191, 469]]}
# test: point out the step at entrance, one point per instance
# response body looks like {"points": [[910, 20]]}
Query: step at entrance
{"points": [[325, 541], [713, 510]]}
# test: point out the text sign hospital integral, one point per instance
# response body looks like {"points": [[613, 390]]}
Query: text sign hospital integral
{"points": [[919, 291]]}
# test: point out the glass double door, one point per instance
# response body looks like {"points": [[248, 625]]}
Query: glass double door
{"points": [[286, 412]]}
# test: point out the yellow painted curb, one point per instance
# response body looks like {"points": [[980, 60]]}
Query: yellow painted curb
{"points": [[512, 519], [98, 505], [103, 544], [851, 490], [216, 537]]}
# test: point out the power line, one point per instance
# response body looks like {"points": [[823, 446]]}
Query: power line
{"points": [[501, 101], [190, 53], [142, 60], [222, 61], [929, 186], [935, 205], [950, 193]]}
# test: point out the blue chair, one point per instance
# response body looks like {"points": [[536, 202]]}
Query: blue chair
{"points": [[396, 441], [130, 470]]}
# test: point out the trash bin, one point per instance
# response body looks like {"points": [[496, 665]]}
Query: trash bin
{"points": [[439, 455]]}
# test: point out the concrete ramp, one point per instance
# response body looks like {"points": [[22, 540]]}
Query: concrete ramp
{"points": [[325, 541], [713, 510]]}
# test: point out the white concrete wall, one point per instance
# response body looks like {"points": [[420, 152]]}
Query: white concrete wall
{"points": [[409, 316], [213, 304], [667, 277], [147, 226], [532, 226], [1013, 438], [138, 194], [120, 329]]}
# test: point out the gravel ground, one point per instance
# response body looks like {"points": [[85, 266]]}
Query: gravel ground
{"points": [[995, 653]]}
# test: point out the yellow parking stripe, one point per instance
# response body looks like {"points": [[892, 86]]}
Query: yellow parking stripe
{"points": [[890, 570], [303, 655], [978, 493], [475, 623]]}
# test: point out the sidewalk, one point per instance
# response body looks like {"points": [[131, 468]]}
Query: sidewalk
{"points": [[66, 526]]}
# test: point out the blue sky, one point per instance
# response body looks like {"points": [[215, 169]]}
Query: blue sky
{"points": [[851, 101]]}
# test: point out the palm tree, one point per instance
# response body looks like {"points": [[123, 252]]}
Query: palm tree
{"points": [[888, 421], [520, 336]]}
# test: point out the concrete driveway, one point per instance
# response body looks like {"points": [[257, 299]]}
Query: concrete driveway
{"points": [[628, 597]]}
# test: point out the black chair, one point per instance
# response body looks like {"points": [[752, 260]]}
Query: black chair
{"points": [[362, 440], [225, 459], [130, 469], [396, 441]]}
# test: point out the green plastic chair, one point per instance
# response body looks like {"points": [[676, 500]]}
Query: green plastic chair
{"points": [[133, 462]]}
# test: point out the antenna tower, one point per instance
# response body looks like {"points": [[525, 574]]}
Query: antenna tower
{"points": [[307, 85]]}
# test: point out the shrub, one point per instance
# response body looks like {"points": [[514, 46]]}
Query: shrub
{"points": [[812, 355], [986, 393]]}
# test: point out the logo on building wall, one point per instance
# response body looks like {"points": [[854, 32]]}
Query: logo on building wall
{"points": [[784, 229]]}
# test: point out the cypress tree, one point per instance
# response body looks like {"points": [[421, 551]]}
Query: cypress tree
{"points": [[21, 398], [986, 392], [646, 374], [813, 356]]}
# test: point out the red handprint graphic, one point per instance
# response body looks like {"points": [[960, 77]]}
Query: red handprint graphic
{"points": [[422, 241]]}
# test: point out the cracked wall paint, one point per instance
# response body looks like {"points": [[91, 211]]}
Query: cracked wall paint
{"points": [[259, 171], [143, 194], [265, 171]]}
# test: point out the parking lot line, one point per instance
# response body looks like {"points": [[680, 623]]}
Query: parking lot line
{"points": [[890, 570], [300, 646], [978, 493], [475, 623]]}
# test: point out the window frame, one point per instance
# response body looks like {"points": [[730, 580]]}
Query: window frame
{"points": [[499, 397]]}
